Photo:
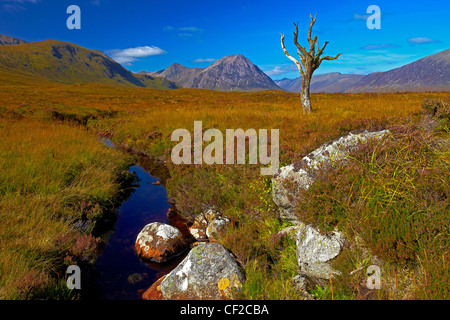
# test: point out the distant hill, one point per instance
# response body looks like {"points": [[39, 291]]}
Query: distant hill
{"points": [[231, 73], [178, 73], [431, 73], [328, 82], [69, 63], [7, 40]]}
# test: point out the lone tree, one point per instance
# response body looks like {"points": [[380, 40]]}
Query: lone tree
{"points": [[310, 60]]}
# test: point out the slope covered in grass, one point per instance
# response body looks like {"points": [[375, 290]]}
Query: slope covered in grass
{"points": [[69, 63], [52, 175], [388, 183]]}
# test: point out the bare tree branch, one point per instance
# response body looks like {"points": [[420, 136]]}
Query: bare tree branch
{"points": [[329, 58], [309, 61], [299, 66], [302, 50]]}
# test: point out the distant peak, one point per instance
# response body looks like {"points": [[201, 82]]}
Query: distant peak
{"points": [[7, 40]]}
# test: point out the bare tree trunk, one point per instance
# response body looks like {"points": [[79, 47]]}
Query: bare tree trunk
{"points": [[309, 61], [305, 94]]}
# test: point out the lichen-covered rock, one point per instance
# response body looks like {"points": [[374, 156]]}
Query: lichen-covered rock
{"points": [[289, 180], [200, 224], [198, 231], [315, 250], [154, 292], [217, 228], [159, 242], [209, 272]]}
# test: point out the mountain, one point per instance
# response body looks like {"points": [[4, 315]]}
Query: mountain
{"points": [[7, 40], [328, 82], [431, 73], [178, 73], [69, 63], [231, 73]]}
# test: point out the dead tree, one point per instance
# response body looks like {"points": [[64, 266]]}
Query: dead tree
{"points": [[309, 61]]}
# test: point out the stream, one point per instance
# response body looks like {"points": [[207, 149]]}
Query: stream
{"points": [[119, 273]]}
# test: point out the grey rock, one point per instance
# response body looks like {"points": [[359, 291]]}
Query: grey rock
{"points": [[289, 180], [209, 272], [217, 228], [315, 250]]}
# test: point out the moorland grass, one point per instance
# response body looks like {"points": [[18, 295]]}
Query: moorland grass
{"points": [[384, 176], [51, 176]]}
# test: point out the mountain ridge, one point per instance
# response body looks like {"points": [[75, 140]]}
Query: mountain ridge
{"points": [[430, 73], [230, 73], [331, 82], [70, 63]]}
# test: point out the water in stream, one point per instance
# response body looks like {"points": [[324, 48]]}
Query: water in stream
{"points": [[118, 261]]}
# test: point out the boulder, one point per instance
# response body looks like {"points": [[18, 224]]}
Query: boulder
{"points": [[135, 278], [154, 292], [209, 272], [289, 180], [158, 242], [200, 224], [217, 228], [315, 250]]}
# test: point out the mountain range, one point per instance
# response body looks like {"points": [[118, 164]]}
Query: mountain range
{"points": [[431, 73], [231, 73], [328, 82], [69, 63]]}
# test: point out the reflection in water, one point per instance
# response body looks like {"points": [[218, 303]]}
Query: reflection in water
{"points": [[120, 274]]}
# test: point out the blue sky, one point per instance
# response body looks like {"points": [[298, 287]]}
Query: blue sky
{"points": [[150, 35]]}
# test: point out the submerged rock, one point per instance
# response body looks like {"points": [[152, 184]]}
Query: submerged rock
{"points": [[135, 278], [159, 242], [209, 272], [289, 180]]}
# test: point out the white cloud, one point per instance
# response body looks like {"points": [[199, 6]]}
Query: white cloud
{"points": [[200, 60], [126, 56], [421, 40], [379, 46], [185, 32], [357, 16], [16, 5], [192, 29], [277, 70], [21, 1]]}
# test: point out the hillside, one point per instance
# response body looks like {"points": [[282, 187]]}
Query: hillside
{"points": [[328, 82], [69, 63], [7, 40], [231, 73], [431, 73]]}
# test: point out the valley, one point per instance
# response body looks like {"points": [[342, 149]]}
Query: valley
{"points": [[60, 183]]}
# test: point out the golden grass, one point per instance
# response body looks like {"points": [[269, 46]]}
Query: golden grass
{"points": [[129, 114], [47, 171]]}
